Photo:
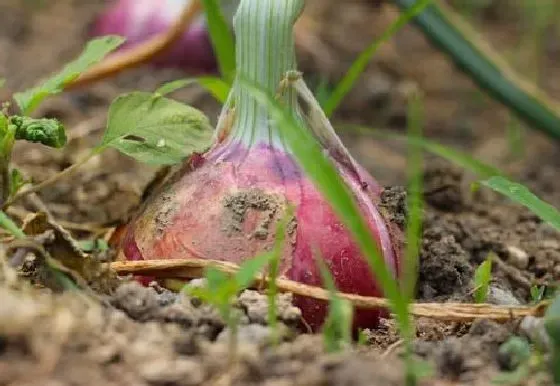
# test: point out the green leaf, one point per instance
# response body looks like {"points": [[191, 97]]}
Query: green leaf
{"points": [[274, 265], [156, 130], [537, 293], [337, 328], [482, 277], [3, 124], [415, 202], [17, 181], [326, 178], [222, 38], [521, 195], [46, 131], [517, 349], [94, 52], [250, 268], [93, 245], [360, 64], [8, 224], [2, 82], [215, 86]]}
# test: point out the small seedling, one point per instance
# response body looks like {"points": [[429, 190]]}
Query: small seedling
{"points": [[221, 290], [482, 278], [337, 329]]}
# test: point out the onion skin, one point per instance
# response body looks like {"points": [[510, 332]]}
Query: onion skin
{"points": [[139, 20], [225, 204], [226, 208]]}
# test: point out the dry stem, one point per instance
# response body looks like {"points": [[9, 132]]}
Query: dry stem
{"points": [[460, 312]]}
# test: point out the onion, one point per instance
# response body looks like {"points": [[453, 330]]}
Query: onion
{"points": [[225, 204], [139, 20]]}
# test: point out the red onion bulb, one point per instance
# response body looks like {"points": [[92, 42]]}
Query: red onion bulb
{"points": [[225, 204]]}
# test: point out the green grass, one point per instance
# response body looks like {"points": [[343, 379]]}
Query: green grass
{"points": [[221, 37], [360, 64]]}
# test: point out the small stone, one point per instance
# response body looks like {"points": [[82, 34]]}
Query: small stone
{"points": [[551, 244], [165, 371], [251, 334], [501, 297], [518, 257], [533, 328]]}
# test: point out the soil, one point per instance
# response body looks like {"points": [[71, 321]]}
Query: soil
{"points": [[120, 333]]}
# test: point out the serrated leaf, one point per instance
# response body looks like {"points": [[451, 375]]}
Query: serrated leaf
{"points": [[217, 87], [156, 130], [482, 277], [522, 195], [94, 52]]}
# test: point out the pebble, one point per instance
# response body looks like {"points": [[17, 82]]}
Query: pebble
{"points": [[251, 334], [533, 328], [518, 257], [501, 297]]}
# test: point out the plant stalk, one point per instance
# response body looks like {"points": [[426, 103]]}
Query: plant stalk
{"points": [[265, 52]]}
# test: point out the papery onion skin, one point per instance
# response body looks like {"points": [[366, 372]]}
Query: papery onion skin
{"points": [[139, 20], [227, 207]]}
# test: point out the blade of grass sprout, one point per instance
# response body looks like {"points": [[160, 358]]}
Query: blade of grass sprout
{"points": [[217, 87], [322, 172], [359, 65], [455, 156], [485, 67], [414, 221], [482, 278], [247, 271], [8, 224], [414, 195], [222, 38], [337, 329], [522, 195], [273, 271]]}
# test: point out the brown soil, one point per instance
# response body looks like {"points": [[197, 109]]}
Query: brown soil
{"points": [[125, 334]]}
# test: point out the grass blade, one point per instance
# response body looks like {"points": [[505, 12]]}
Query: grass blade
{"points": [[337, 329], [482, 277], [414, 195], [359, 65], [217, 87], [93, 53], [222, 38], [522, 195]]}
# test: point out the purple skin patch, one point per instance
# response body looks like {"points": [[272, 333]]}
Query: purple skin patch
{"points": [[194, 224], [139, 20]]}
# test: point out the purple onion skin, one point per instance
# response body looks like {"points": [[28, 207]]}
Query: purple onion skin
{"points": [[224, 205], [139, 20]]}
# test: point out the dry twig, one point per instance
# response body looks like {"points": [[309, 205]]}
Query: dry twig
{"points": [[460, 312]]}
